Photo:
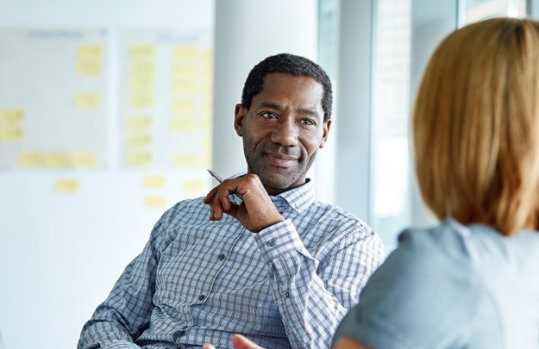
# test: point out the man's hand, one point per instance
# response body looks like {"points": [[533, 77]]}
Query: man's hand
{"points": [[240, 342], [256, 211]]}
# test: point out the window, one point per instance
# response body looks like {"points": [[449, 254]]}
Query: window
{"points": [[390, 157], [476, 10], [367, 46]]}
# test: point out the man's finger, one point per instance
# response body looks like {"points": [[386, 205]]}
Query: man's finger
{"points": [[218, 201], [240, 342], [211, 194]]}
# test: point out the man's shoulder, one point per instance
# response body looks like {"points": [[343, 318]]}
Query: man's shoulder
{"points": [[184, 211], [338, 216], [336, 226]]}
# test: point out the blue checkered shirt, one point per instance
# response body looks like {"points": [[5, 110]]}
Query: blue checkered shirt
{"points": [[199, 281]]}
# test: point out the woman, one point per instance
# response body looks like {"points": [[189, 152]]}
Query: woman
{"points": [[473, 280]]}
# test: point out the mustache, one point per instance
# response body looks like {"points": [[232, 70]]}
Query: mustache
{"points": [[285, 150]]}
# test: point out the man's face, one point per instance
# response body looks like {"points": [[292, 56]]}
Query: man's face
{"points": [[282, 130]]}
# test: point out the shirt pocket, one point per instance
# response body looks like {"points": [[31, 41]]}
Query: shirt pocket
{"points": [[190, 263]]}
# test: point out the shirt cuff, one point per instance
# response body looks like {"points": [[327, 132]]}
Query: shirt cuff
{"points": [[279, 239], [121, 345]]}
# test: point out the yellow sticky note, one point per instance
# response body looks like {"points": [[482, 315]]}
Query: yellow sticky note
{"points": [[155, 182], [186, 161], [68, 186], [206, 144], [155, 201], [206, 87], [206, 160], [89, 60], [141, 83], [145, 69], [138, 122], [89, 68], [206, 110], [184, 53], [11, 134], [57, 160], [139, 159], [184, 72], [207, 57], [84, 159], [206, 122], [11, 116], [87, 100], [207, 74], [139, 140], [141, 52], [185, 107], [29, 160], [141, 100], [183, 86], [90, 52], [178, 125], [193, 188]]}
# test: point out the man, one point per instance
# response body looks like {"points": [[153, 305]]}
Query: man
{"points": [[275, 264]]}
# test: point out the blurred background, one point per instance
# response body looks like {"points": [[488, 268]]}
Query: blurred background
{"points": [[111, 111]]}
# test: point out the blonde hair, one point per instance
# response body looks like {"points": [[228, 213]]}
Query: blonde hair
{"points": [[476, 126]]}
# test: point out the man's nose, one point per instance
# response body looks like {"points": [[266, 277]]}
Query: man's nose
{"points": [[285, 132]]}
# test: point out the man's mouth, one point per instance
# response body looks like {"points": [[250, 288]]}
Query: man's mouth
{"points": [[281, 160]]}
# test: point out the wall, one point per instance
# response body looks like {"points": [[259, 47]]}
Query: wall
{"points": [[61, 252]]}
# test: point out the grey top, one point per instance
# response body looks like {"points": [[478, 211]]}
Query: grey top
{"points": [[452, 286]]}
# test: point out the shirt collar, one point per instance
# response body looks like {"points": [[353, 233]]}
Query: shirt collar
{"points": [[298, 198]]}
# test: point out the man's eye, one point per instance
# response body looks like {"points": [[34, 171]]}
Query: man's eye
{"points": [[307, 122], [268, 115]]}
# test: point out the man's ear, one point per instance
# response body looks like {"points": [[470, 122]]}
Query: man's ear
{"points": [[325, 133], [239, 113]]}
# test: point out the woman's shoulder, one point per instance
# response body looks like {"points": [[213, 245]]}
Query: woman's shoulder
{"points": [[447, 242], [428, 282]]}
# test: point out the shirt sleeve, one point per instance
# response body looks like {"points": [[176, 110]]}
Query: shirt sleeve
{"points": [[421, 297], [313, 295], [126, 311]]}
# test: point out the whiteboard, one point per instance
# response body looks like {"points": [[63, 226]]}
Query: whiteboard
{"points": [[67, 232], [54, 100], [73, 211]]}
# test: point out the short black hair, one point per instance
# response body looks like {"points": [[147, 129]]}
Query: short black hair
{"points": [[290, 64]]}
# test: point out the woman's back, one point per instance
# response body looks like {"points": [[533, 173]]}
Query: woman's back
{"points": [[509, 274], [452, 286]]}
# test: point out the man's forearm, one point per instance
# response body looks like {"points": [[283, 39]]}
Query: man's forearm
{"points": [[311, 304], [105, 335]]}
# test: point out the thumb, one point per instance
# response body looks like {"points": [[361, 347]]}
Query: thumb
{"points": [[240, 342]]}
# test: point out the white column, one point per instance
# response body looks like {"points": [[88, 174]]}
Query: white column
{"points": [[431, 22], [533, 10], [353, 103], [246, 32]]}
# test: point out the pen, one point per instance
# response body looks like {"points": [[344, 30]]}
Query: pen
{"points": [[220, 180]]}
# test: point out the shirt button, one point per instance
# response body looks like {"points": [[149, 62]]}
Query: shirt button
{"points": [[270, 243], [177, 335], [201, 297], [287, 294], [221, 256]]}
